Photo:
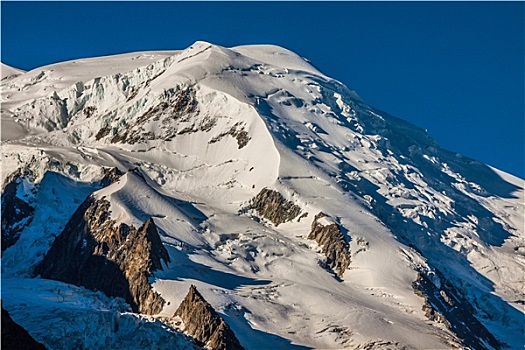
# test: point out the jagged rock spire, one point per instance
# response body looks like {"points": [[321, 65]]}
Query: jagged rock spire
{"points": [[203, 323], [92, 251]]}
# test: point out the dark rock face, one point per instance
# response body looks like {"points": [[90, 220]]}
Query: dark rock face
{"points": [[273, 206], [203, 323], [14, 337], [17, 213], [444, 303], [92, 251], [333, 244]]}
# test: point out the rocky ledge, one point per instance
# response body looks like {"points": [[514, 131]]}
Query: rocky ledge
{"points": [[333, 243], [203, 323], [94, 252]]}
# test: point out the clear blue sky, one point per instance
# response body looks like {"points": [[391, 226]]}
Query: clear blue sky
{"points": [[454, 68]]}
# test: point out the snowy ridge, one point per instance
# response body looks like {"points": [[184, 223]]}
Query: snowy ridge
{"points": [[200, 132], [8, 72]]}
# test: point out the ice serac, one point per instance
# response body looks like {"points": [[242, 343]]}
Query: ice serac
{"points": [[95, 252], [203, 323], [16, 211], [15, 337], [333, 243], [271, 205]]}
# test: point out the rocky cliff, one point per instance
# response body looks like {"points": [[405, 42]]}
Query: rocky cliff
{"points": [[17, 212], [333, 243], [94, 252], [203, 323]]}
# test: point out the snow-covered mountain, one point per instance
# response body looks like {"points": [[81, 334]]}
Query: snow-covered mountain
{"points": [[300, 216]]}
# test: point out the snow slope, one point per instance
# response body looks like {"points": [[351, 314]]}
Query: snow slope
{"points": [[206, 129], [8, 72]]}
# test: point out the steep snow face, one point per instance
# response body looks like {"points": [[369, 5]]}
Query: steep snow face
{"points": [[200, 132]]}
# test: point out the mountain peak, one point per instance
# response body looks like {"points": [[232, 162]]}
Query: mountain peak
{"points": [[232, 154]]}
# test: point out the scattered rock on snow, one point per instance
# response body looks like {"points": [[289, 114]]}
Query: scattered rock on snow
{"points": [[236, 131]]}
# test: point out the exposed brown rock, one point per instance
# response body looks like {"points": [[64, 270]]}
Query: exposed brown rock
{"points": [[103, 132], [111, 175], [92, 251], [273, 206], [17, 213], [205, 124], [184, 101], [333, 244], [15, 337], [203, 323], [89, 111]]}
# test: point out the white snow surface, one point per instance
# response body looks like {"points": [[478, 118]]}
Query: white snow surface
{"points": [[384, 181], [8, 72]]}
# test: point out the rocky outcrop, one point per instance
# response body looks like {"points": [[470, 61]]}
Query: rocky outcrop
{"points": [[111, 175], [94, 252], [203, 323], [444, 304], [176, 105], [14, 337], [333, 243], [271, 205], [17, 212]]}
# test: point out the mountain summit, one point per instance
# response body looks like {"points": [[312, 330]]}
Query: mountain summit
{"points": [[306, 217]]}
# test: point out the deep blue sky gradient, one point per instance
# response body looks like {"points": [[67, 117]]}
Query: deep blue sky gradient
{"points": [[453, 68]]}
